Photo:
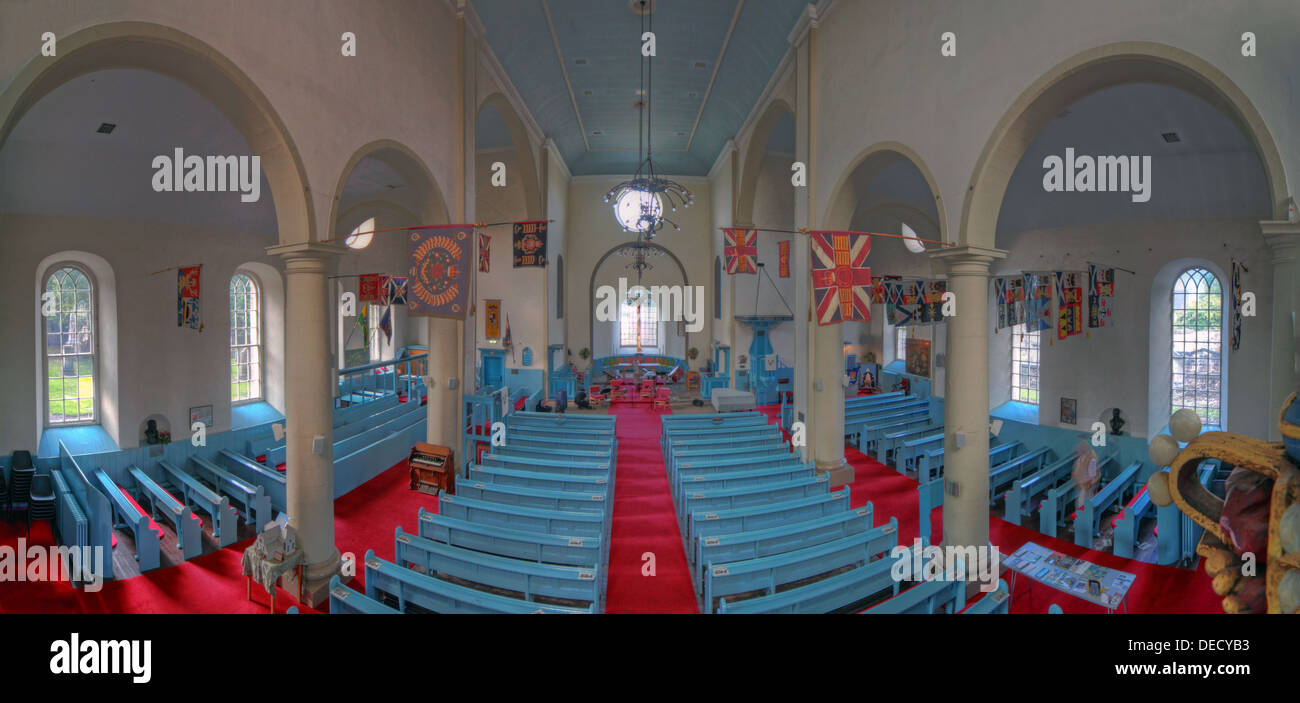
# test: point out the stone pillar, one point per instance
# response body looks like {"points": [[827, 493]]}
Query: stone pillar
{"points": [[309, 412], [1284, 240], [444, 399], [828, 404], [966, 397]]}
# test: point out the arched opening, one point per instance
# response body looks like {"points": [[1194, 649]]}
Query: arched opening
{"points": [[664, 269]]}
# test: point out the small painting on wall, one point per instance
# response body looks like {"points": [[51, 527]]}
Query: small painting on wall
{"points": [[202, 413], [1069, 411], [918, 357]]}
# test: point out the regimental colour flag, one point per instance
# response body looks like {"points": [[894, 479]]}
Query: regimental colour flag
{"points": [[1101, 286], [484, 252], [1069, 304], [187, 298], [1038, 302], [530, 244], [1235, 338], [371, 288], [840, 275], [740, 248], [439, 279], [386, 324], [395, 290], [783, 258]]}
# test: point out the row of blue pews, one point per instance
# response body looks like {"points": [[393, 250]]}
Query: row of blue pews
{"points": [[526, 532]]}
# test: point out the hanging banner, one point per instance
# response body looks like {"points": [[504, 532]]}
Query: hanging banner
{"points": [[740, 250], [1038, 302], [187, 298], [999, 302], [370, 289], [918, 357], [484, 252], [902, 303], [1101, 285], [1235, 338], [1009, 299], [931, 295], [386, 324], [439, 277], [395, 290], [1069, 304], [530, 244], [783, 258], [879, 294], [492, 319], [841, 278]]}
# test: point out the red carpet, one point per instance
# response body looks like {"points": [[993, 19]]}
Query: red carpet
{"points": [[363, 519], [644, 521], [1158, 589]]}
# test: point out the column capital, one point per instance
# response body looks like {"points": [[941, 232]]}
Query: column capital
{"points": [[1283, 238], [967, 259], [304, 256]]}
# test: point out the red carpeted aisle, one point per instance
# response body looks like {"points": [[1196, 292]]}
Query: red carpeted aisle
{"points": [[363, 519], [644, 521]]}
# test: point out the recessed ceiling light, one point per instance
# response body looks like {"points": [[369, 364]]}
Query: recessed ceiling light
{"points": [[596, 132], [580, 62], [1171, 137], [701, 64], [106, 128]]}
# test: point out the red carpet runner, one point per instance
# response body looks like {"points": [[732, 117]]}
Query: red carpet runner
{"points": [[644, 521]]}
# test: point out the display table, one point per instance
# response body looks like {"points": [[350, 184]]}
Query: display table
{"points": [[730, 400], [267, 572], [1081, 579]]}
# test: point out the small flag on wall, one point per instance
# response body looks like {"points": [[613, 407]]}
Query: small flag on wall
{"points": [[363, 321], [783, 258], [740, 249], [370, 289], [187, 298], [439, 279], [1009, 299], [395, 290], [492, 319], [840, 276], [530, 244], [484, 252], [386, 324]]}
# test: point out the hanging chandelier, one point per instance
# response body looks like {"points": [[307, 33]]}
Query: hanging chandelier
{"points": [[640, 251], [639, 202]]}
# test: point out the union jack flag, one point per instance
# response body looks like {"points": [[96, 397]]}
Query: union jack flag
{"points": [[841, 277], [741, 249]]}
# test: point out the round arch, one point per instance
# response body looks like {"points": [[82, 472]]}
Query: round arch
{"points": [[175, 54], [853, 184], [408, 165], [753, 162], [1084, 74], [591, 287], [523, 151]]}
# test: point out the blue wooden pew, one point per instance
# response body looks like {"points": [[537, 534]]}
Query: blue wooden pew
{"points": [[752, 544], [930, 464], [828, 595], [768, 573], [509, 542], [225, 520], [257, 505], [1129, 522], [540, 479], [1059, 502], [871, 436], [189, 529], [347, 601], [735, 479], [531, 579], [272, 481], [1014, 469], [556, 522], [925, 598], [757, 517], [1086, 522], [756, 449], [553, 466], [996, 602], [535, 497], [1021, 499], [130, 516], [888, 444], [411, 588], [875, 424], [873, 399], [725, 498], [906, 456], [687, 470]]}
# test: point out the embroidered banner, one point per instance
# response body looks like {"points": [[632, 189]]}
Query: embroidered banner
{"points": [[395, 290], [841, 278], [1235, 337], [878, 292], [484, 253], [902, 303], [530, 244], [1009, 298], [187, 298], [740, 250], [1101, 285], [1038, 302], [931, 295], [439, 271], [783, 258], [386, 324], [371, 290], [1069, 304], [492, 319]]}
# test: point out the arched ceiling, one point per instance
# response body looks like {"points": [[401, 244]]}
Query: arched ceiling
{"points": [[694, 112], [1212, 171], [56, 162]]}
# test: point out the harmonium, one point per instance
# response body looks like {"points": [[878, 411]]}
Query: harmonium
{"points": [[432, 468]]}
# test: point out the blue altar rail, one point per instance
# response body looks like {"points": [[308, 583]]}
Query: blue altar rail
{"points": [[636, 362]]}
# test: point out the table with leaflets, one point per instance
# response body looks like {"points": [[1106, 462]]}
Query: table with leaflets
{"points": [[1082, 579]]}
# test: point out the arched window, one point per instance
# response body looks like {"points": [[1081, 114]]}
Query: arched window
{"points": [[1196, 362], [68, 306], [639, 321], [245, 339], [1024, 365]]}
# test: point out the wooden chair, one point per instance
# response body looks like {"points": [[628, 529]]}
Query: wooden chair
{"points": [[647, 391], [594, 395], [617, 391], [662, 396]]}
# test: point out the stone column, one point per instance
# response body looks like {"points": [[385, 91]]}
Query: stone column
{"points": [[828, 404], [309, 412], [444, 399], [966, 397], [1284, 240]]}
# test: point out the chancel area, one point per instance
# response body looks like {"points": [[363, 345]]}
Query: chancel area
{"points": [[649, 306]]}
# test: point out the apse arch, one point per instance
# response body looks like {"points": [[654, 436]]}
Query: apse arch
{"points": [[185, 58], [432, 206], [523, 151], [753, 163], [1084, 74], [853, 184], [595, 269]]}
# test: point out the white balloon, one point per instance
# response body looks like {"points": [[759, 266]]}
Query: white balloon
{"points": [[1158, 489], [1288, 592], [1163, 450], [1185, 425], [1289, 529]]}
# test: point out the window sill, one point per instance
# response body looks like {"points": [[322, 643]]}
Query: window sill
{"points": [[80, 439], [1017, 411], [253, 413]]}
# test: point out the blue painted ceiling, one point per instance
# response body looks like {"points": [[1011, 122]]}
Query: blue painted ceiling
{"points": [[596, 43]]}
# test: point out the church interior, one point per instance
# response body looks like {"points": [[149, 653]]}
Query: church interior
{"points": [[649, 306]]}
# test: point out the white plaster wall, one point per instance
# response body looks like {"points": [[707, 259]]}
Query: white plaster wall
{"points": [[773, 208]]}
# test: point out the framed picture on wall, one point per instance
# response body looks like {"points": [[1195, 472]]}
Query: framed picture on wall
{"points": [[201, 413], [918, 357], [1069, 411]]}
